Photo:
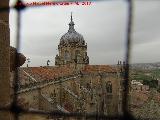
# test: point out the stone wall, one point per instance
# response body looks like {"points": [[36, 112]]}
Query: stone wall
{"points": [[81, 94], [4, 59]]}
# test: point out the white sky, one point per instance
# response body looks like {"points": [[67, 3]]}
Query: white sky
{"points": [[102, 24]]}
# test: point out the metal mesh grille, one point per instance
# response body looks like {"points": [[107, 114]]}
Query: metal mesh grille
{"points": [[17, 110]]}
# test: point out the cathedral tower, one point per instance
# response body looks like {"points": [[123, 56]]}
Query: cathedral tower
{"points": [[72, 49]]}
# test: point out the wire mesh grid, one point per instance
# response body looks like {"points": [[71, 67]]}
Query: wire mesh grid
{"points": [[16, 110]]}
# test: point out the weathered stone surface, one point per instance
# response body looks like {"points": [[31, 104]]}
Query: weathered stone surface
{"points": [[16, 62], [4, 61], [72, 49]]}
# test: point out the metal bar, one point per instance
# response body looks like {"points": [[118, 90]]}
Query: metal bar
{"points": [[16, 110], [125, 105]]}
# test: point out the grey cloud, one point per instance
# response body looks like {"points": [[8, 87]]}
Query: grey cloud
{"points": [[103, 26], [146, 22]]}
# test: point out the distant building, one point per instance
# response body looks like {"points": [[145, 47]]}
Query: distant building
{"points": [[136, 85]]}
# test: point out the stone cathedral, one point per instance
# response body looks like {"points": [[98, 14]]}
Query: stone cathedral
{"points": [[72, 49], [72, 85]]}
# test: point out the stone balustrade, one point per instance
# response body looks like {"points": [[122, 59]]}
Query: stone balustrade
{"points": [[41, 84]]}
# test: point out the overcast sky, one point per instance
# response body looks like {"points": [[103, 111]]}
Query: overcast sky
{"points": [[102, 24]]}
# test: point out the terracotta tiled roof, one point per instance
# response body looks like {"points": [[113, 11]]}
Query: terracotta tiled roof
{"points": [[43, 73], [139, 97], [32, 74], [99, 68]]}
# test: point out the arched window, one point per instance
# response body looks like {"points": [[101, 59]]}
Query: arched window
{"points": [[66, 55], [77, 53], [109, 87]]}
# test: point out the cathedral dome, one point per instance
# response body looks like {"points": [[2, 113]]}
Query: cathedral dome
{"points": [[72, 37]]}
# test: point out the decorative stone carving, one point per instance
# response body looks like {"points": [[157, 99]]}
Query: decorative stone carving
{"points": [[86, 60], [76, 48]]}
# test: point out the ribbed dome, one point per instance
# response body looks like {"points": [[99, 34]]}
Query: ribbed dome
{"points": [[72, 36]]}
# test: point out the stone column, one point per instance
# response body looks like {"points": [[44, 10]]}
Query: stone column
{"points": [[4, 60]]}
